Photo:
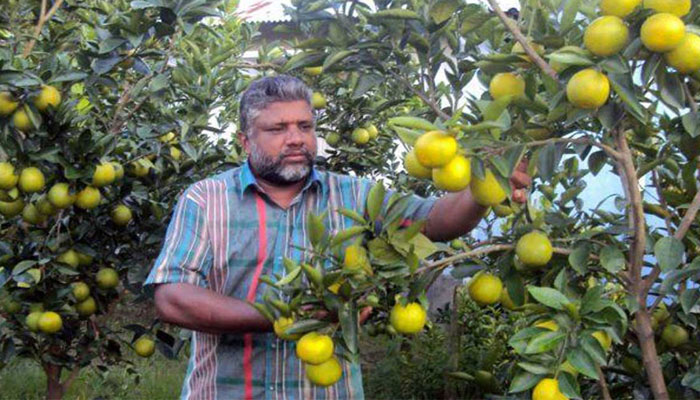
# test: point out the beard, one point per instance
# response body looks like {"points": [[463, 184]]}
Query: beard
{"points": [[274, 171]]}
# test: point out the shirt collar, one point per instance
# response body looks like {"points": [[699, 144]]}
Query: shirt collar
{"points": [[247, 178]]}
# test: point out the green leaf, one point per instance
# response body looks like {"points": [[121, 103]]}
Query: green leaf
{"points": [[395, 13], [669, 253], [158, 83], [593, 348], [578, 259], [623, 86], [346, 234], [337, 57], [549, 297], [568, 385], [523, 381], [69, 77], [570, 10], [383, 251], [353, 215], [375, 200], [461, 375], [348, 324], [544, 342], [442, 10], [303, 59], [689, 299], [582, 362], [23, 266], [110, 44], [316, 229], [290, 277], [612, 259], [408, 136], [307, 325], [534, 368], [548, 160]]}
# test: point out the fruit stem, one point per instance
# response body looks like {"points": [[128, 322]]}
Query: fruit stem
{"points": [[603, 385]]}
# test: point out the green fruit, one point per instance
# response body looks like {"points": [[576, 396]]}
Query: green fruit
{"points": [[69, 257], [121, 215], [32, 320], [107, 278], [674, 335], [60, 195], [86, 308], [81, 291]]}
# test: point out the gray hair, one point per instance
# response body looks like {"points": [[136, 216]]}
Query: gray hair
{"points": [[264, 91]]}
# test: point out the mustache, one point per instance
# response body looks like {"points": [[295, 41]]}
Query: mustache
{"points": [[304, 151]]}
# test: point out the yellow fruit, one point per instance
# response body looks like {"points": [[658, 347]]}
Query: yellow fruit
{"points": [[280, 325], [81, 291], [69, 257], [507, 84], [548, 324], [686, 57], [434, 149], [360, 136], [48, 97], [21, 120], [485, 289], [674, 335], [107, 278], [548, 389], [31, 215], [588, 89], [8, 178], [104, 175], [502, 210], [678, 8], [454, 176], [84, 259], [409, 319], [520, 51], [88, 198], [118, 170], [414, 168], [373, 131], [86, 307], [355, 260], [31, 180], [7, 104], [11, 209], [606, 36], [315, 348], [662, 32], [50, 322], [317, 100], [168, 138], [175, 153], [45, 207], [313, 71], [121, 215], [603, 338], [324, 374], [60, 195], [144, 347], [32, 320], [487, 191], [534, 249], [140, 169], [332, 139], [619, 8]]}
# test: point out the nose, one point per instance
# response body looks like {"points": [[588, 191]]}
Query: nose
{"points": [[295, 135]]}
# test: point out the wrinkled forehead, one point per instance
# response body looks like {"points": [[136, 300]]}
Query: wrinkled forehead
{"points": [[284, 112]]}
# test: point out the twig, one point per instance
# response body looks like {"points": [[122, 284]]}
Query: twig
{"points": [[43, 18], [603, 385], [518, 35], [691, 98], [427, 100], [662, 201], [607, 149]]}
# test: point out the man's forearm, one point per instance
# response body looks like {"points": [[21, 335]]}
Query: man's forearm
{"points": [[203, 310], [453, 215]]}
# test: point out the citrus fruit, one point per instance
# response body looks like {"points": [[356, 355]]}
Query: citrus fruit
{"points": [[674, 335], [104, 175], [606, 36], [7, 104], [373, 131], [408, 319], [118, 170], [60, 195], [435, 149], [168, 138], [315, 348], [48, 97], [45, 207], [140, 168], [486, 381], [313, 71], [121, 215], [107, 278], [534, 249], [32, 320], [502, 210], [355, 259], [662, 32], [603, 338], [280, 326], [8, 178], [11, 306], [360, 136], [487, 191], [50, 322], [678, 8], [414, 168], [520, 51], [453, 176], [325, 373], [547, 389], [69, 257], [506, 84], [144, 347], [619, 8], [84, 259], [86, 307], [80, 290], [332, 139], [88, 198], [548, 324], [485, 289], [588, 89], [317, 100], [538, 133], [175, 153], [31, 180], [21, 120], [11, 208], [686, 57], [31, 214]]}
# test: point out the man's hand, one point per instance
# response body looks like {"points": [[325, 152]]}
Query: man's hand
{"points": [[519, 182]]}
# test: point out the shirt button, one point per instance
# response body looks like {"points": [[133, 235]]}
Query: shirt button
{"points": [[274, 346], [272, 388]]}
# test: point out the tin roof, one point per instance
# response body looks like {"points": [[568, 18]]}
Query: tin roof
{"points": [[262, 10]]}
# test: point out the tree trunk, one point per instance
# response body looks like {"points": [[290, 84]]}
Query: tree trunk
{"points": [[651, 359], [453, 345], [54, 389]]}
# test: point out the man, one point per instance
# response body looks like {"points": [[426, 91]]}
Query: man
{"points": [[228, 230]]}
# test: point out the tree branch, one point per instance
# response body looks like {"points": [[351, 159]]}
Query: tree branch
{"points": [[518, 35], [611, 152], [691, 99], [662, 201], [603, 385], [43, 18], [427, 100]]}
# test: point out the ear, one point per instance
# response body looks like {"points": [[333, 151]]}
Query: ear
{"points": [[244, 141]]}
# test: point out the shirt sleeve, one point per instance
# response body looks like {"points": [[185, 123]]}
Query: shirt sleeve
{"points": [[186, 256]]}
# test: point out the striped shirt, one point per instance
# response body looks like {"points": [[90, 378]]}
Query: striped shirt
{"points": [[224, 234]]}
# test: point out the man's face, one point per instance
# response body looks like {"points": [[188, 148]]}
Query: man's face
{"points": [[282, 143]]}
